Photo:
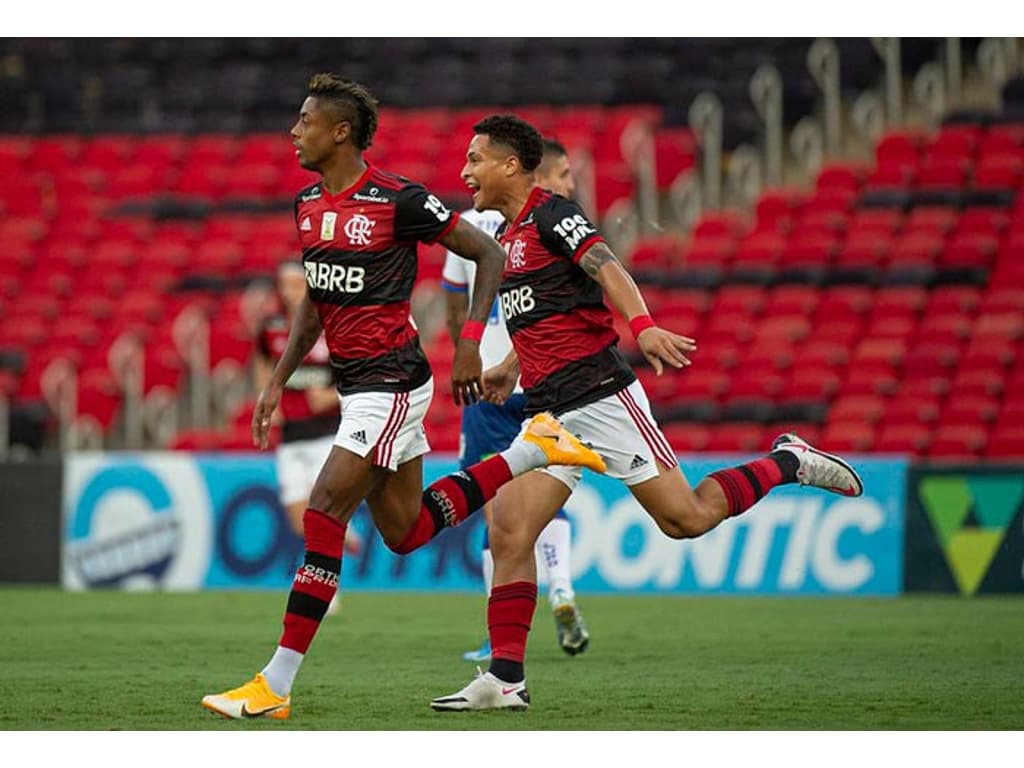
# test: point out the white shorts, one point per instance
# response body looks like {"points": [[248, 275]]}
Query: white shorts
{"points": [[388, 423], [620, 428], [298, 464]]}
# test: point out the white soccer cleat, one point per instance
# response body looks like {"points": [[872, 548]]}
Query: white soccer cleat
{"points": [[820, 469], [485, 692], [573, 636]]}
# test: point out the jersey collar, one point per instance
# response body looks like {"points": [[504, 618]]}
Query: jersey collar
{"points": [[348, 190], [531, 202]]}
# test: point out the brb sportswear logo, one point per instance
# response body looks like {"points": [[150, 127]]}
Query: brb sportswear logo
{"points": [[516, 301], [358, 229], [334, 277], [135, 524]]}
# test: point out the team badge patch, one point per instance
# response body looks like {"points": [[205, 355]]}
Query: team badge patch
{"points": [[327, 225]]}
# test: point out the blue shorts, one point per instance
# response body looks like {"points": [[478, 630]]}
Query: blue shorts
{"points": [[488, 429]]}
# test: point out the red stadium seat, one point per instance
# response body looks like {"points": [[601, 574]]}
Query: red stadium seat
{"points": [[903, 298], [791, 300], [969, 410], [855, 436], [912, 409], [738, 437], [999, 171], [810, 383], [1006, 445], [883, 221], [887, 350], [686, 437], [866, 408], [675, 153], [842, 175], [931, 218], [957, 442], [899, 146], [913, 439]]}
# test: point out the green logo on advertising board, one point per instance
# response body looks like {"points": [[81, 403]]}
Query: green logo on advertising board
{"points": [[970, 515]]}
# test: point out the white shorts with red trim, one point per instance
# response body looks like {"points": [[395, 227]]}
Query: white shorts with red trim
{"points": [[620, 428], [390, 424], [298, 465]]}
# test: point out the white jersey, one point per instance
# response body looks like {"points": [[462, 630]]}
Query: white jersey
{"points": [[458, 276]]}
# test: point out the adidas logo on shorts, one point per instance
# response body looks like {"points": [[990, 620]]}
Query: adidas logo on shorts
{"points": [[638, 461], [359, 437]]}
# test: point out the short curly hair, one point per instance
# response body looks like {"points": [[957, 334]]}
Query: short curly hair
{"points": [[516, 134], [352, 103]]}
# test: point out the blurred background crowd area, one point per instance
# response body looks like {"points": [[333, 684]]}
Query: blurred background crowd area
{"points": [[839, 222]]}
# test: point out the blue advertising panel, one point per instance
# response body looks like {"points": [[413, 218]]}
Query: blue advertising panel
{"points": [[794, 541], [180, 521]]}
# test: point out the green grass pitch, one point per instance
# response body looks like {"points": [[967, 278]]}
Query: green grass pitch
{"points": [[134, 661]]}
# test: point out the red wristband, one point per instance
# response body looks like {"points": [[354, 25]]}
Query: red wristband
{"points": [[472, 330], [640, 323]]}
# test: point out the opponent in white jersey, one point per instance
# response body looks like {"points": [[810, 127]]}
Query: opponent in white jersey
{"points": [[488, 428]]}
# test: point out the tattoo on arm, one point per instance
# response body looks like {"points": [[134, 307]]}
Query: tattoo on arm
{"points": [[596, 257]]}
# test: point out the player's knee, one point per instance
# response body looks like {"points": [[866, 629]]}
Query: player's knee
{"points": [[400, 545], [509, 543], [684, 520]]}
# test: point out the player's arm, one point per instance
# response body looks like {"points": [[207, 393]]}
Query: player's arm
{"points": [[263, 366], [456, 306], [471, 243], [304, 332], [657, 344], [454, 279]]}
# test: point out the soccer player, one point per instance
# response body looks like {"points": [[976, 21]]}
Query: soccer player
{"points": [[489, 428], [558, 272], [308, 411], [358, 227]]}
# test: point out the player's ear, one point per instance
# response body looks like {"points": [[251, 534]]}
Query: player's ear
{"points": [[342, 131], [512, 166]]}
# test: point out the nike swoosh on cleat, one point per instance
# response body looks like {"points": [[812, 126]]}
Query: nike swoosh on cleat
{"points": [[247, 713], [843, 491], [507, 691]]}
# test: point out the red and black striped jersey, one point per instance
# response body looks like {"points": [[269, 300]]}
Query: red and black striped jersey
{"points": [[359, 253], [560, 327], [300, 421]]}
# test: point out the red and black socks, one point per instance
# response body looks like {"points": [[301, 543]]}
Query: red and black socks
{"points": [[509, 615], [746, 484]]}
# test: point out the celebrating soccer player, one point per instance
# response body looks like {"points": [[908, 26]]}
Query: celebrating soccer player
{"points": [[358, 227], [558, 272]]}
